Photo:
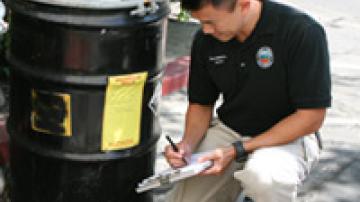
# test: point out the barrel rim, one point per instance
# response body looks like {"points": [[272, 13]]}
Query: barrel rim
{"points": [[86, 17], [94, 4]]}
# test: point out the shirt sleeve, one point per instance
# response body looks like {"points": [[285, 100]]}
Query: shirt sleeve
{"points": [[201, 89], [308, 69]]}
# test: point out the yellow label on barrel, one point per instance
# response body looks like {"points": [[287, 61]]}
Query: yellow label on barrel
{"points": [[51, 113], [122, 111]]}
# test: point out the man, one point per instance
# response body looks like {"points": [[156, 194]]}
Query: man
{"points": [[270, 63]]}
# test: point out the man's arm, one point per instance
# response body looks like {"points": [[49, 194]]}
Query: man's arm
{"points": [[294, 126], [197, 122]]}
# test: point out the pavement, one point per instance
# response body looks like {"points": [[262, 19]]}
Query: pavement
{"points": [[336, 177]]}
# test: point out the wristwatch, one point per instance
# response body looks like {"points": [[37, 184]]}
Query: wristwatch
{"points": [[241, 154]]}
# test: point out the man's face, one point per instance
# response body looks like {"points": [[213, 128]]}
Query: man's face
{"points": [[220, 22]]}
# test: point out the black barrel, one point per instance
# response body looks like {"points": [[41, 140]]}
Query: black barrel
{"points": [[61, 59]]}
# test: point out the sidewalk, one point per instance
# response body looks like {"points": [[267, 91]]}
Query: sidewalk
{"points": [[335, 177]]}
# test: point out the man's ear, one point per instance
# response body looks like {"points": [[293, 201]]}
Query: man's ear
{"points": [[244, 5]]}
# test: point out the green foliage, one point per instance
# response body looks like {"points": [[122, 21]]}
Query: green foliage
{"points": [[183, 16]]}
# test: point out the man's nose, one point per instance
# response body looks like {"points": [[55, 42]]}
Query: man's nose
{"points": [[208, 29]]}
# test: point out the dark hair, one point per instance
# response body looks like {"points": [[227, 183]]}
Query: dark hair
{"points": [[193, 5]]}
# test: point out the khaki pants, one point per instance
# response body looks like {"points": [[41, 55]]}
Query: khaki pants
{"points": [[269, 175]]}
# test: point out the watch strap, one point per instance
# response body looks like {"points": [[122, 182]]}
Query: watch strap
{"points": [[241, 154]]}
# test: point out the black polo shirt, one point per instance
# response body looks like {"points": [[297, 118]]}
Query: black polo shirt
{"points": [[281, 67]]}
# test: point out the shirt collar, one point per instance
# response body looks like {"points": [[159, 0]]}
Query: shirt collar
{"points": [[268, 22]]}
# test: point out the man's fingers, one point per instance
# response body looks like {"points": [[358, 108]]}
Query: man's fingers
{"points": [[170, 153], [175, 159], [211, 156], [181, 152], [214, 170], [176, 155], [219, 162], [176, 163]]}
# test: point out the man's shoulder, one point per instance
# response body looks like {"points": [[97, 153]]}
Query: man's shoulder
{"points": [[290, 14], [293, 20]]}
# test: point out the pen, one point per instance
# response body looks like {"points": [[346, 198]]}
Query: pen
{"points": [[174, 147]]}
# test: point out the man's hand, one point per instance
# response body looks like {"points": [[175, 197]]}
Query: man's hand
{"points": [[221, 158], [175, 159]]}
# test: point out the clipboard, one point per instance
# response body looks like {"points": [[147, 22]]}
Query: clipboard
{"points": [[171, 175]]}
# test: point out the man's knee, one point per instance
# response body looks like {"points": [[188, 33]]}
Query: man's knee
{"points": [[263, 184], [254, 179]]}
